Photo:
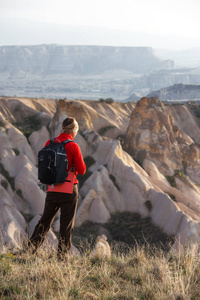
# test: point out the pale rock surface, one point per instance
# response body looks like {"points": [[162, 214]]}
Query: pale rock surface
{"points": [[15, 109], [22, 168], [56, 225], [38, 139], [118, 183], [137, 186], [7, 154], [189, 212], [164, 212], [131, 180], [152, 134], [153, 171], [92, 209], [128, 192], [188, 232], [192, 194], [93, 115], [12, 223], [83, 144], [98, 212], [104, 187], [182, 198], [102, 248], [83, 210], [186, 122], [19, 141]]}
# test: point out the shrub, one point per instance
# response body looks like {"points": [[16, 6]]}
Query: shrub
{"points": [[103, 130], [19, 193], [2, 124], [16, 151], [171, 180], [4, 184], [7, 176], [181, 174], [114, 181], [109, 100], [148, 204], [30, 124]]}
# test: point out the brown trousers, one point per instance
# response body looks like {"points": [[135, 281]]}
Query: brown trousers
{"points": [[68, 205]]}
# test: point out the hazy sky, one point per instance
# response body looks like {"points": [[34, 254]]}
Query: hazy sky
{"points": [[175, 21]]}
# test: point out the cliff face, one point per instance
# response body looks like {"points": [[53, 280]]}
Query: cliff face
{"points": [[113, 138], [178, 92], [152, 134], [47, 60]]}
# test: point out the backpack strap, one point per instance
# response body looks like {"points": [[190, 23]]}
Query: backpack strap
{"points": [[72, 168], [52, 140], [67, 141]]}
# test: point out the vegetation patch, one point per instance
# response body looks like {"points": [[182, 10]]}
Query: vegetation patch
{"points": [[139, 274], [103, 130], [2, 124], [89, 161], [114, 181], [148, 205], [171, 180], [16, 151], [30, 124], [172, 197], [128, 229], [19, 193], [107, 100], [121, 138], [4, 184], [7, 176], [195, 108], [181, 174]]}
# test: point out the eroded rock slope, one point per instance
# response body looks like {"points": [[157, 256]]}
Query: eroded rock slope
{"points": [[140, 158]]}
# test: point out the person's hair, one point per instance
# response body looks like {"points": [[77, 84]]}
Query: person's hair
{"points": [[69, 125]]}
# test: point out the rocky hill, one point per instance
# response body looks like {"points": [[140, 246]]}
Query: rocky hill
{"points": [[89, 72], [141, 158], [178, 92], [80, 72], [48, 60]]}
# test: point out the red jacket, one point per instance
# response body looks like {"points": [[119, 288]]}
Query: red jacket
{"points": [[73, 154]]}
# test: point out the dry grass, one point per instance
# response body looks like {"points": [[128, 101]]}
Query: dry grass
{"points": [[140, 273]]}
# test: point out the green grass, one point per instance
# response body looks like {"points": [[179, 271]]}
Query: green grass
{"points": [[171, 180]]}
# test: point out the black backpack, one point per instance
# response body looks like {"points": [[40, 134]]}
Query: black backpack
{"points": [[53, 163]]}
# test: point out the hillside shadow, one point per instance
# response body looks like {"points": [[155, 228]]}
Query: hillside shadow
{"points": [[126, 230]]}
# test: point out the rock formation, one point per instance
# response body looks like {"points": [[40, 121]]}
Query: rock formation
{"points": [[153, 134], [53, 60], [143, 159], [178, 91]]}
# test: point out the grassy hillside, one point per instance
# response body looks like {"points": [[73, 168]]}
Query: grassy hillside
{"points": [[140, 274], [140, 266]]}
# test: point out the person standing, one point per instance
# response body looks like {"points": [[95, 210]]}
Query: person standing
{"points": [[58, 197]]}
